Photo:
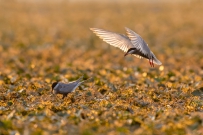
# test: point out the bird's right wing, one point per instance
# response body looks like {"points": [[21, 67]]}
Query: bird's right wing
{"points": [[114, 39], [138, 42], [67, 88]]}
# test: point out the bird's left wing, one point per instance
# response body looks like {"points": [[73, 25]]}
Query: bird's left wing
{"points": [[114, 39]]}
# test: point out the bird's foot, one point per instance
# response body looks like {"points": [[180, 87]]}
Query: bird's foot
{"points": [[64, 95], [151, 63]]}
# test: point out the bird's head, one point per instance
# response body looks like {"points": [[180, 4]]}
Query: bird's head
{"points": [[53, 85], [130, 51]]}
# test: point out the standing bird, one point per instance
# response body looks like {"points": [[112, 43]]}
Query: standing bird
{"points": [[65, 88], [131, 44]]}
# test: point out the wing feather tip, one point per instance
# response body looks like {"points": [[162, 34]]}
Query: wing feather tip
{"points": [[93, 29], [126, 28]]}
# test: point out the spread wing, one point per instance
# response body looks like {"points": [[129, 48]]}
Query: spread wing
{"points": [[114, 39], [138, 42]]}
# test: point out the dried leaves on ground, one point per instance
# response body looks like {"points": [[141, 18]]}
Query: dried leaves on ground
{"points": [[45, 42]]}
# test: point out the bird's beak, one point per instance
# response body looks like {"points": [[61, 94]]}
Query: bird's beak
{"points": [[126, 54], [130, 51], [52, 91]]}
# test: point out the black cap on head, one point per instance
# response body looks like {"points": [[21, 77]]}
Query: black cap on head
{"points": [[129, 51], [54, 84]]}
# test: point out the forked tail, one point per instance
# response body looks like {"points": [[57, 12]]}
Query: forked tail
{"points": [[80, 78], [81, 81], [155, 60]]}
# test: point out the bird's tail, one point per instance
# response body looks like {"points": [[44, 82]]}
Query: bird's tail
{"points": [[81, 81], [155, 60], [87, 79]]}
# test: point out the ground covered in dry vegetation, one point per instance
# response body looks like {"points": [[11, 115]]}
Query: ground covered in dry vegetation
{"points": [[44, 42]]}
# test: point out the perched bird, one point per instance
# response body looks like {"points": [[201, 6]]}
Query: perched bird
{"points": [[131, 44], [65, 88]]}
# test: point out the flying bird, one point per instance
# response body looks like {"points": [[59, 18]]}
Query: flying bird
{"points": [[66, 88], [130, 44]]}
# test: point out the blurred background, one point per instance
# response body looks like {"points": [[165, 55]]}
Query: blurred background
{"points": [[173, 30], [42, 41]]}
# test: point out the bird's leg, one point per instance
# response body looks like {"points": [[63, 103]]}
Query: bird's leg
{"points": [[150, 63], [64, 95]]}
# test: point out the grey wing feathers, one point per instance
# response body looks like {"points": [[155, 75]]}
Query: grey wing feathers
{"points": [[67, 88], [114, 39], [138, 42]]}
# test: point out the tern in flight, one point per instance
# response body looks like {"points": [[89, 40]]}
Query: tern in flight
{"points": [[130, 44]]}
